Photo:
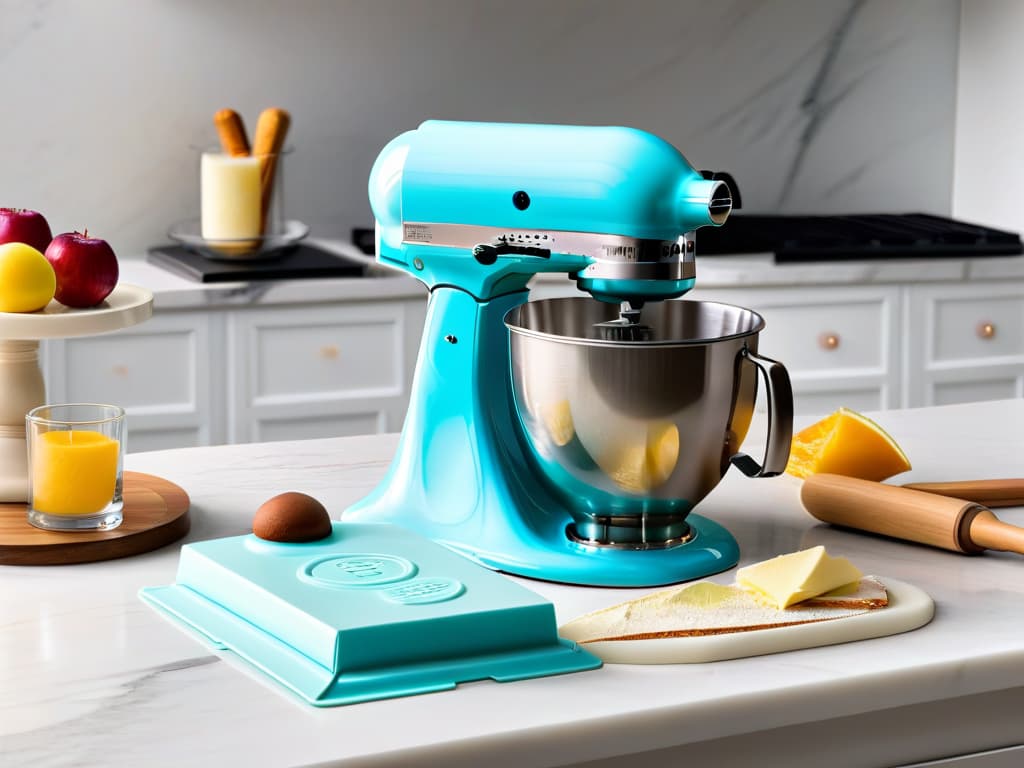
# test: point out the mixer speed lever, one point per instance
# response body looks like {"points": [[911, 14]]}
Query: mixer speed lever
{"points": [[488, 254]]}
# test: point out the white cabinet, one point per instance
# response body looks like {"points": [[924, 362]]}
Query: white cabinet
{"points": [[887, 345], [968, 342], [265, 372], [841, 346], [297, 368], [167, 373]]}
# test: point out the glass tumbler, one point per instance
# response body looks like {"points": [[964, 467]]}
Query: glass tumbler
{"points": [[75, 459], [241, 203]]}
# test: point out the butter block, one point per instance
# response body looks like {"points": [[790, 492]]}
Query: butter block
{"points": [[788, 579], [707, 609]]}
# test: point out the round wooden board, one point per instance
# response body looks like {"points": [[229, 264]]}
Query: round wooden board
{"points": [[155, 514]]}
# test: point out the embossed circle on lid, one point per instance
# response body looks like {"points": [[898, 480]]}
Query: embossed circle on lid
{"points": [[354, 571], [434, 589]]}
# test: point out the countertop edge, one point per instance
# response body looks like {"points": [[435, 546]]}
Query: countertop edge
{"points": [[674, 727]]}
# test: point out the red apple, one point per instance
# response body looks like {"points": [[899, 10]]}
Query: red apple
{"points": [[86, 269], [18, 225]]}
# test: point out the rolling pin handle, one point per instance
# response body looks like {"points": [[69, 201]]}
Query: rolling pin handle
{"points": [[987, 531]]}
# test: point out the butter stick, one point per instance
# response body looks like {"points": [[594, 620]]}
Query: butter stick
{"points": [[271, 130], [788, 579]]}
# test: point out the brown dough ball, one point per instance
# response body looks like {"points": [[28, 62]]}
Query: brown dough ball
{"points": [[292, 517]]}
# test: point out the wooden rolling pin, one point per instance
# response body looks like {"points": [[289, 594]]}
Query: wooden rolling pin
{"points": [[991, 493], [903, 513]]}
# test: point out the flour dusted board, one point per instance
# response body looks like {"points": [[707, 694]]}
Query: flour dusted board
{"points": [[909, 608]]}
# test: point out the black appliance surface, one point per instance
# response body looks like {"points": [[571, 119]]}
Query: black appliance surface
{"points": [[855, 238], [301, 261]]}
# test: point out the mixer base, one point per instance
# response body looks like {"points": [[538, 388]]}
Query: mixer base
{"points": [[709, 549], [537, 546], [622, 532]]}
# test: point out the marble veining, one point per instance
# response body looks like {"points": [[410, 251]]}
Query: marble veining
{"points": [[832, 106], [812, 105]]}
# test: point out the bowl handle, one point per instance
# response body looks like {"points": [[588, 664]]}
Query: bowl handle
{"points": [[780, 419]]}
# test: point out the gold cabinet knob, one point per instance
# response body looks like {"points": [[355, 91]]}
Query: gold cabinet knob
{"points": [[329, 352], [986, 330], [829, 341], [120, 370]]}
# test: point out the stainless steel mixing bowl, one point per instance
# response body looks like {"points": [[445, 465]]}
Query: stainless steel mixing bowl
{"points": [[632, 427]]}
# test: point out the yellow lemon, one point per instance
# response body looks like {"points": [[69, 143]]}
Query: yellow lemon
{"points": [[27, 281], [846, 443]]}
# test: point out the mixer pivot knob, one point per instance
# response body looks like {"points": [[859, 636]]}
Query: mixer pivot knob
{"points": [[485, 254]]}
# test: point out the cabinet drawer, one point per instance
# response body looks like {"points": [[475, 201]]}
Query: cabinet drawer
{"points": [[817, 337], [145, 369], [349, 352], [331, 425], [996, 387], [811, 404], [318, 371], [163, 373], [976, 328], [821, 332]]}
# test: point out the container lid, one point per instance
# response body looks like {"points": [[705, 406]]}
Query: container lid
{"points": [[370, 612]]}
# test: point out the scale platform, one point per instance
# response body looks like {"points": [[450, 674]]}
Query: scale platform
{"points": [[371, 612]]}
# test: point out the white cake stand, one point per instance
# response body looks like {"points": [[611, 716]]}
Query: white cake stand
{"points": [[21, 378]]}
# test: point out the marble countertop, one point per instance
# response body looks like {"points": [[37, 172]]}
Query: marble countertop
{"points": [[89, 675], [172, 292], [747, 271]]}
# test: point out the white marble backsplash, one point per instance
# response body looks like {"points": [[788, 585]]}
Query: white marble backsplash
{"points": [[814, 105]]}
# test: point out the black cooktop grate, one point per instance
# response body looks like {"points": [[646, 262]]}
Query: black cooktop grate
{"points": [[857, 237], [304, 260]]}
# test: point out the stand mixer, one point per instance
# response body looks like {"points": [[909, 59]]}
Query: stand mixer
{"points": [[474, 211]]}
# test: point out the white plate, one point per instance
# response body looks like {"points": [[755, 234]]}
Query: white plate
{"points": [[909, 608], [125, 306]]}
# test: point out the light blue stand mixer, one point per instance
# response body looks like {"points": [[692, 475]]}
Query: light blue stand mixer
{"points": [[576, 452]]}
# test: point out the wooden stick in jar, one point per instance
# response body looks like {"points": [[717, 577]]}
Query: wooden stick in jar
{"points": [[231, 131], [271, 129]]}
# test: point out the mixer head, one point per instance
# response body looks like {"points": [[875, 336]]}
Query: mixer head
{"points": [[615, 208]]}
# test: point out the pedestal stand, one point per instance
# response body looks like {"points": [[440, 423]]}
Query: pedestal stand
{"points": [[21, 378]]}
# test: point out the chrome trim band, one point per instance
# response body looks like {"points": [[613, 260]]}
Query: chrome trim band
{"points": [[604, 248], [640, 270]]}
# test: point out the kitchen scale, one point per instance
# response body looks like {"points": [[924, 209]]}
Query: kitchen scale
{"points": [[370, 612]]}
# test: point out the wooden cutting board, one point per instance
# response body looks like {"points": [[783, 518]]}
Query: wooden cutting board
{"points": [[155, 514], [909, 608]]}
